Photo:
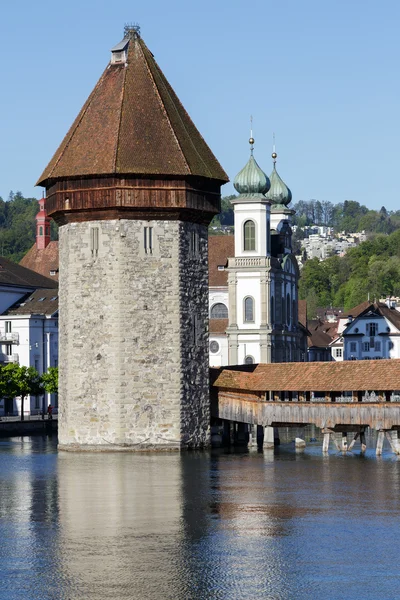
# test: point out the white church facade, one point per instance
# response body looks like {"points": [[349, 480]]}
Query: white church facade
{"points": [[254, 316]]}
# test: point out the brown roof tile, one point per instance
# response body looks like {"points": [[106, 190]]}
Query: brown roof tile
{"points": [[41, 302], [218, 325], [16, 275], [220, 248], [42, 261], [302, 304], [325, 376], [357, 310], [133, 123]]}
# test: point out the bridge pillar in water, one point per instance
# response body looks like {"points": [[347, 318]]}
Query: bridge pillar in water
{"points": [[393, 438], [326, 440], [379, 443]]}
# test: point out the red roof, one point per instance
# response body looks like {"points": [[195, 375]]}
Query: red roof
{"points": [[220, 248], [133, 123], [352, 375], [42, 260]]}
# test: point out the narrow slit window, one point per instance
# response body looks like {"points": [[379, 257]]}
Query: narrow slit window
{"points": [[194, 243], [148, 240], [249, 310], [94, 241]]}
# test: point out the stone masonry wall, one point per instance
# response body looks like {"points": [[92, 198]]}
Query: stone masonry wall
{"points": [[132, 375]]}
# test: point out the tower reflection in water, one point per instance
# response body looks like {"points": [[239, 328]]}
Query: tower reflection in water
{"points": [[170, 526]]}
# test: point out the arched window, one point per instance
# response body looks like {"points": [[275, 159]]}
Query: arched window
{"points": [[249, 360], [249, 309], [288, 309], [219, 311], [249, 235], [40, 230]]}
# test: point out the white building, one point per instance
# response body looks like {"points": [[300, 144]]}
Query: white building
{"points": [[28, 325], [373, 334], [259, 307]]}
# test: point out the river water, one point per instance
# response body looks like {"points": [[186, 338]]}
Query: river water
{"points": [[271, 525]]}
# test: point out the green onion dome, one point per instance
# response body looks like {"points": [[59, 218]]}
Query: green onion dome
{"points": [[279, 193], [251, 180]]}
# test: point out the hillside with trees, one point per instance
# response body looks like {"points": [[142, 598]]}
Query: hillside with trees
{"points": [[348, 216], [372, 270], [18, 226]]}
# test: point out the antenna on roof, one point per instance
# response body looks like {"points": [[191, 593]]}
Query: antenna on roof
{"points": [[132, 31]]}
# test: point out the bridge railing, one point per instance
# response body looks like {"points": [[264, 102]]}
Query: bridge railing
{"points": [[367, 397]]}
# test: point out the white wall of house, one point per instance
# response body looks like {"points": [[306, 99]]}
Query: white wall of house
{"points": [[9, 296], [371, 337]]}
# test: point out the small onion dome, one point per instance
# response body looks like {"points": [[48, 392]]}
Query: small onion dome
{"points": [[279, 193], [251, 180]]}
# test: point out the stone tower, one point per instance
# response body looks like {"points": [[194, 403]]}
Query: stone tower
{"points": [[133, 187]]}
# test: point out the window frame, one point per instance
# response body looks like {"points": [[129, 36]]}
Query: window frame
{"points": [[245, 319], [212, 316], [249, 243]]}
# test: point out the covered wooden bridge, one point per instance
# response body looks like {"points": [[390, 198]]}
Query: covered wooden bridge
{"points": [[344, 397]]}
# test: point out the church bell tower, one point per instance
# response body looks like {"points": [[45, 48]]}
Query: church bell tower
{"points": [[133, 187]]}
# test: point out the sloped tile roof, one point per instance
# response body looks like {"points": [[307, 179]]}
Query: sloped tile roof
{"points": [[16, 275], [218, 325], [42, 260], [133, 123], [41, 302], [220, 248], [325, 376]]}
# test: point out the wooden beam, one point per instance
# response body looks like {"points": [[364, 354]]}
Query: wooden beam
{"points": [[362, 441], [379, 443], [353, 441]]}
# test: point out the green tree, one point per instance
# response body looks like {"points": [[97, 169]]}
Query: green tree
{"points": [[50, 380], [16, 380]]}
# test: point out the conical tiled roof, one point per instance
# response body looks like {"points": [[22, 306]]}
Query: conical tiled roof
{"points": [[133, 123]]}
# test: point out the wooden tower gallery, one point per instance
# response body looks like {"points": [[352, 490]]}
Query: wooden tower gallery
{"points": [[133, 187]]}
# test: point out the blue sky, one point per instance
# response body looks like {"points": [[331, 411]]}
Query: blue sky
{"points": [[322, 75]]}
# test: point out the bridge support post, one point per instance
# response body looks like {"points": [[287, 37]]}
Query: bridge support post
{"points": [[379, 443], [277, 440], [344, 442], [392, 436], [353, 441], [226, 435], [326, 440], [253, 441], [268, 437], [362, 441]]}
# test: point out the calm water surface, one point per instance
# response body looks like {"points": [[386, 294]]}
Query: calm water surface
{"points": [[272, 525]]}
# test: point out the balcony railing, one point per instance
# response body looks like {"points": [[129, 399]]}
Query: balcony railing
{"points": [[249, 261], [9, 358], [11, 338]]}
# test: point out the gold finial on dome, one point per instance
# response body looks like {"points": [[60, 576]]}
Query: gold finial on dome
{"points": [[274, 155]]}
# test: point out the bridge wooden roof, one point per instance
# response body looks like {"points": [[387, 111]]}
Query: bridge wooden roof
{"points": [[322, 376]]}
